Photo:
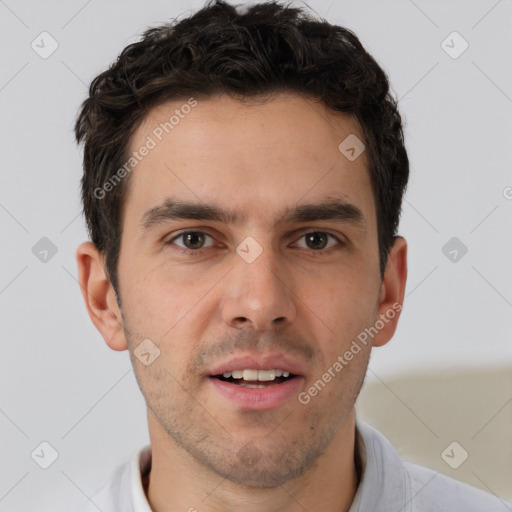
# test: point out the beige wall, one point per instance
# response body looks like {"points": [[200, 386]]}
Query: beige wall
{"points": [[422, 415]]}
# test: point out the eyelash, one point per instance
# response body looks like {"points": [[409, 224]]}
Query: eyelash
{"points": [[194, 252]]}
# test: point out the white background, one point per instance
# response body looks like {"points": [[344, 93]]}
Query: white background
{"points": [[60, 383]]}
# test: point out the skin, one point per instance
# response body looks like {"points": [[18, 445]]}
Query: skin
{"points": [[294, 299]]}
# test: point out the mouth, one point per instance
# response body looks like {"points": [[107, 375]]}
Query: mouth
{"points": [[256, 383], [255, 379]]}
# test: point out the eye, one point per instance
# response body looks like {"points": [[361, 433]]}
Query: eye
{"points": [[318, 241], [191, 240]]}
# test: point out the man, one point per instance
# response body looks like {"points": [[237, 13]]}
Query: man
{"points": [[243, 177]]}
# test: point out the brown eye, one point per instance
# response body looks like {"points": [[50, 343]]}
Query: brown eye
{"points": [[318, 240], [192, 240]]}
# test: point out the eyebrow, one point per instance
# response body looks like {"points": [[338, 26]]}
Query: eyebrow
{"points": [[330, 209]]}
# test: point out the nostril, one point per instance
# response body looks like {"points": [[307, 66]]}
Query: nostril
{"points": [[240, 320]]}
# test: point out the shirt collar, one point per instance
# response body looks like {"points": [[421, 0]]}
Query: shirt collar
{"points": [[140, 468], [385, 484]]}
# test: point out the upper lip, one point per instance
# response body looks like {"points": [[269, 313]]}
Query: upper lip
{"points": [[257, 362]]}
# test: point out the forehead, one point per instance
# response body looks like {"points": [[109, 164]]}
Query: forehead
{"points": [[248, 154]]}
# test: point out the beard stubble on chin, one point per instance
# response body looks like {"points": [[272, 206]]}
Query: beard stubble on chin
{"points": [[262, 449]]}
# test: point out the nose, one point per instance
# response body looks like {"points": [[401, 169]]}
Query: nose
{"points": [[258, 294]]}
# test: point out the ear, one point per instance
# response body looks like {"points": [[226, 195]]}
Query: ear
{"points": [[99, 296], [392, 292]]}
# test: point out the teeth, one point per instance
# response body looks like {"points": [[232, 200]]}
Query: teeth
{"points": [[250, 374], [255, 375], [266, 375]]}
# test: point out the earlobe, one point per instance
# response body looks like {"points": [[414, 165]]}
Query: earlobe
{"points": [[392, 292], [99, 296]]}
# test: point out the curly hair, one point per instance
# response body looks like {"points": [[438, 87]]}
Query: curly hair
{"points": [[246, 53]]}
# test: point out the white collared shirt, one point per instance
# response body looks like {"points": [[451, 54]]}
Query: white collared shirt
{"points": [[388, 484]]}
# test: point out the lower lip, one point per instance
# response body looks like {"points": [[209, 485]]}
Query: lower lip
{"points": [[269, 397]]}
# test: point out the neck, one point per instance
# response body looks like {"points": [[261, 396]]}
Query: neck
{"points": [[178, 482]]}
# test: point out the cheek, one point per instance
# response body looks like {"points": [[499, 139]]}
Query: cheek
{"points": [[159, 362], [174, 318], [158, 301], [344, 305]]}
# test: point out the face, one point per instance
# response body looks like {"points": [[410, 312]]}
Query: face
{"points": [[249, 258]]}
